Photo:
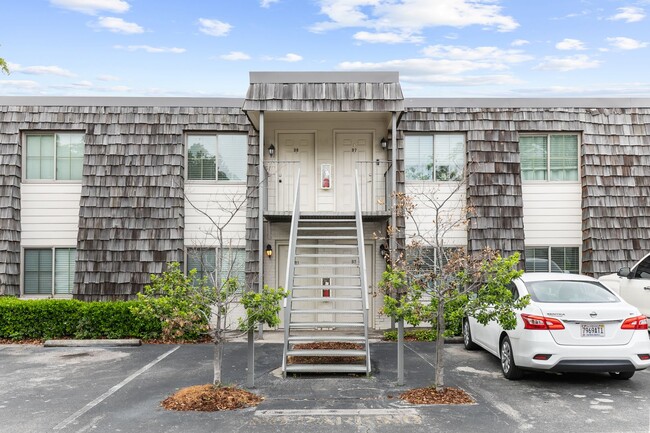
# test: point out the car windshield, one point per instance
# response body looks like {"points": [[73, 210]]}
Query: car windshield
{"points": [[563, 291]]}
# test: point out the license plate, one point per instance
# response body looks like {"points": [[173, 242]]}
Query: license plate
{"points": [[592, 330]]}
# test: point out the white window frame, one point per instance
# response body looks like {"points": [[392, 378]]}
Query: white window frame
{"points": [[548, 135], [433, 156], [227, 249], [549, 251], [53, 134], [189, 134], [52, 293]]}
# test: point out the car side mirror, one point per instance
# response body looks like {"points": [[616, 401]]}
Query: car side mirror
{"points": [[623, 272]]}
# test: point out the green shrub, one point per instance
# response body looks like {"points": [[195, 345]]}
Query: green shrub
{"points": [[416, 334], [67, 318]]}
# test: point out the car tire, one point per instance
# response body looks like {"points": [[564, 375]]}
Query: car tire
{"points": [[467, 336], [508, 366], [621, 375]]}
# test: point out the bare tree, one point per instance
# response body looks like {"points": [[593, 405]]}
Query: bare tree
{"points": [[438, 278]]}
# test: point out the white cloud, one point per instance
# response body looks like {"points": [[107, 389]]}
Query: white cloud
{"points": [[290, 57], [267, 3], [214, 27], [519, 42], [150, 49], [570, 44], [623, 43], [106, 77], [40, 70], [19, 84], [419, 66], [118, 25], [564, 64], [387, 38], [235, 55], [92, 7], [629, 14], [492, 54], [411, 16]]}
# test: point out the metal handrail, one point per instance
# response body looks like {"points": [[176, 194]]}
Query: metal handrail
{"points": [[291, 263], [358, 216]]}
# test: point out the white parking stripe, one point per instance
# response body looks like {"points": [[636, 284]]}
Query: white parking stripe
{"points": [[63, 424], [337, 412]]}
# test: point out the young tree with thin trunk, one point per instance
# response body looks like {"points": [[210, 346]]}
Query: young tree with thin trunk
{"points": [[437, 281]]}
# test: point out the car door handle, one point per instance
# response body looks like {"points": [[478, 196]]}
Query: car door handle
{"points": [[646, 288]]}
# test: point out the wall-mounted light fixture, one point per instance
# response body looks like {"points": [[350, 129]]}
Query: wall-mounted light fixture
{"points": [[268, 251], [384, 143], [383, 251], [271, 150]]}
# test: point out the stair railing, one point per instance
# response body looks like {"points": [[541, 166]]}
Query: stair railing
{"points": [[291, 266], [358, 216]]}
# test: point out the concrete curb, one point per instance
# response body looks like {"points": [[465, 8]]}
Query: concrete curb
{"points": [[127, 342]]}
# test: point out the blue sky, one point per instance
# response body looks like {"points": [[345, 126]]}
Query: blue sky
{"points": [[441, 48]]}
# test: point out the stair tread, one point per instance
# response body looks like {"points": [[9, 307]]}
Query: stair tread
{"points": [[326, 228], [326, 325], [325, 368], [326, 299], [324, 311], [327, 255], [324, 237], [327, 265], [326, 352], [334, 287], [303, 338], [326, 220], [329, 276], [330, 246]]}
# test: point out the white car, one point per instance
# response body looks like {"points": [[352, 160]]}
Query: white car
{"points": [[633, 285], [572, 324]]}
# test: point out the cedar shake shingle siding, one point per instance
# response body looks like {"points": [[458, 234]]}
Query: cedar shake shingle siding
{"points": [[131, 216], [10, 166], [615, 174]]}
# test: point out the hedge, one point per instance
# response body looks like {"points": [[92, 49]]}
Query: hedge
{"points": [[68, 318]]}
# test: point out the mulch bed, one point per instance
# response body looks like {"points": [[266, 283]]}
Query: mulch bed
{"points": [[431, 396], [210, 398], [33, 341], [327, 345]]}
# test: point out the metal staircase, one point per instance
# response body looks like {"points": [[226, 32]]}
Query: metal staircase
{"points": [[328, 296]]}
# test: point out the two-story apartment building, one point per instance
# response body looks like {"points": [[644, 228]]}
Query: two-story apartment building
{"points": [[294, 185]]}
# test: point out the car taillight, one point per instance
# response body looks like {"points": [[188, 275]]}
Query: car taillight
{"points": [[638, 322], [541, 322]]}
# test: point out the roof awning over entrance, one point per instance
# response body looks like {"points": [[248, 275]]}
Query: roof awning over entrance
{"points": [[323, 92]]}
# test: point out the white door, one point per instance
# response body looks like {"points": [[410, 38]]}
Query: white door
{"points": [[351, 147], [297, 147]]}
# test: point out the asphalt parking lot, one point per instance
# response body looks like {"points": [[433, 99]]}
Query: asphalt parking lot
{"points": [[120, 389]]}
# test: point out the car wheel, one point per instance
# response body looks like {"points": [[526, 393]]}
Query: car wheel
{"points": [[508, 367], [467, 336], [621, 375]]}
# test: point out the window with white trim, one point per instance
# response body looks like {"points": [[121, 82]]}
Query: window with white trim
{"points": [[48, 271], [438, 157], [54, 156], [204, 260], [549, 157], [217, 157], [553, 259]]}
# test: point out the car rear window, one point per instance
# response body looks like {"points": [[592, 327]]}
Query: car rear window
{"points": [[569, 292]]}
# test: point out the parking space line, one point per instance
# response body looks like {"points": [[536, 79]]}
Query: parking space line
{"points": [[418, 354], [337, 412], [63, 424]]}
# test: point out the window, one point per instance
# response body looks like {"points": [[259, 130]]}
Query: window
{"points": [[551, 157], [204, 260], [55, 156], [49, 271], [439, 157], [219, 157], [553, 259]]}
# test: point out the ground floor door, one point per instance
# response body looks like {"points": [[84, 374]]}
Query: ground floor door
{"points": [[325, 273], [350, 148]]}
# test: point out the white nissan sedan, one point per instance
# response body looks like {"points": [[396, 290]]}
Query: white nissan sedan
{"points": [[573, 323]]}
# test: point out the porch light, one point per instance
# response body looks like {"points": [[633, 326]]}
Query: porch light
{"points": [[384, 143], [268, 251], [271, 150], [383, 251]]}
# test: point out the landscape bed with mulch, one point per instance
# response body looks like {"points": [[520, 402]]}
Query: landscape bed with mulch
{"points": [[210, 398]]}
